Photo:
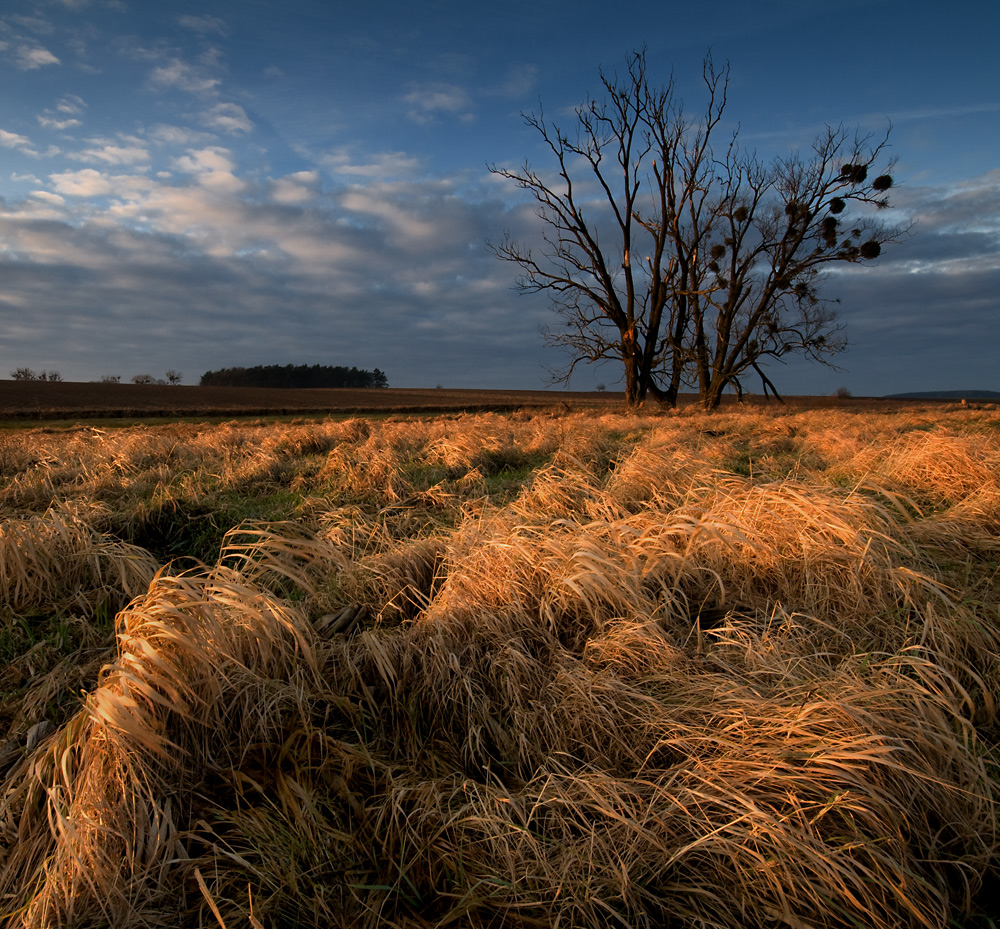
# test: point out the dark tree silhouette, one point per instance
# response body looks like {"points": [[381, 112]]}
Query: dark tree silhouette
{"points": [[691, 266], [26, 374], [294, 376]]}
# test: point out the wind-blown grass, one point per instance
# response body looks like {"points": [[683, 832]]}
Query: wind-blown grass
{"points": [[58, 559], [698, 671]]}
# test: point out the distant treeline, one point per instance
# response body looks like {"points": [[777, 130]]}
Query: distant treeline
{"points": [[293, 376]]}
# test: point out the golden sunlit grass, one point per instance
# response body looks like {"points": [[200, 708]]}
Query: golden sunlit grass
{"points": [[527, 670]]}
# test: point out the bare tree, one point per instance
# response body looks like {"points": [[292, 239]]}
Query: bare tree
{"points": [[174, 377], [143, 379], [690, 266], [26, 374]]}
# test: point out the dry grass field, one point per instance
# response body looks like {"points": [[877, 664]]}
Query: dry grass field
{"points": [[529, 669]]}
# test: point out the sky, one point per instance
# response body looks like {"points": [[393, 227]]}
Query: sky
{"points": [[189, 187]]}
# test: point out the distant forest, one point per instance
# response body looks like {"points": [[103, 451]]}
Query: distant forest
{"points": [[293, 376]]}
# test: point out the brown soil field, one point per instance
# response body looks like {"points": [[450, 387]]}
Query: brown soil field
{"points": [[41, 400]]}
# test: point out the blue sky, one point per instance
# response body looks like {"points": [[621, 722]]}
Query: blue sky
{"points": [[240, 182]]}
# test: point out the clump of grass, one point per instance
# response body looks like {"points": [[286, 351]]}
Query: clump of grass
{"points": [[935, 467], [97, 806], [57, 560], [398, 584], [655, 471]]}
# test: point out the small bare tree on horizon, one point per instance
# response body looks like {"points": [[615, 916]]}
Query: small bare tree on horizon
{"points": [[27, 374], [693, 265]]}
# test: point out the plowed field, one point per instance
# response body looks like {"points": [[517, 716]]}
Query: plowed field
{"points": [[68, 400]]}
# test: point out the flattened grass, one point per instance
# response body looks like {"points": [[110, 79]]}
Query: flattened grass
{"points": [[698, 671]]}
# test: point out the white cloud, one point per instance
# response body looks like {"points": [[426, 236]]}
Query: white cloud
{"points": [[48, 197], [201, 161], [177, 135], [212, 167], [30, 57], [23, 144], [204, 25], [958, 109], [88, 182], [405, 224], [71, 104], [15, 141], [104, 151], [228, 117], [182, 76], [65, 115], [377, 165], [34, 24], [972, 205], [429, 101], [59, 125], [295, 189]]}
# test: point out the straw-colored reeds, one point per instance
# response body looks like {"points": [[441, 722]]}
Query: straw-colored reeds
{"points": [[57, 559], [91, 816], [697, 671]]}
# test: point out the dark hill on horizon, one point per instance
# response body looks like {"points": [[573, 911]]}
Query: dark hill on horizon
{"points": [[946, 395]]}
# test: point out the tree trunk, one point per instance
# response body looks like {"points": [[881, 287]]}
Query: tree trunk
{"points": [[664, 397], [634, 394], [711, 393], [635, 385]]}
